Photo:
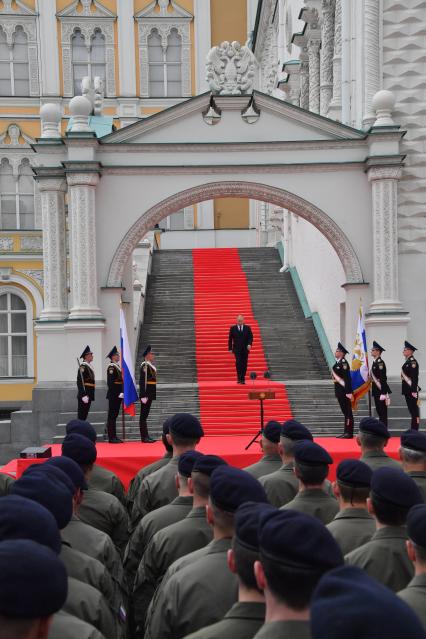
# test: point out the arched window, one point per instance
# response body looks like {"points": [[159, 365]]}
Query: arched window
{"points": [[88, 60], [16, 196], [13, 336], [165, 65], [14, 66]]}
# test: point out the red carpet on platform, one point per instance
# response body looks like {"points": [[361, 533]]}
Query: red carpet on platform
{"points": [[221, 292]]}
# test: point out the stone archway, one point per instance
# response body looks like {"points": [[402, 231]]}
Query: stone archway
{"points": [[251, 190]]}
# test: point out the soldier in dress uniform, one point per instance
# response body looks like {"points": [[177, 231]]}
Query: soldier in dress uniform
{"points": [[380, 388], [413, 457], [415, 593], [289, 569], [85, 383], [385, 557], [341, 375], [410, 384], [147, 392], [114, 395]]}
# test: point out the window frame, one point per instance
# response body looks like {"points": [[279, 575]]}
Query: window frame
{"points": [[12, 290], [16, 165], [165, 65], [89, 63], [9, 24]]}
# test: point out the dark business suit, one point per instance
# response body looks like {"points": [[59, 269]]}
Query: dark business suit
{"points": [[240, 337]]}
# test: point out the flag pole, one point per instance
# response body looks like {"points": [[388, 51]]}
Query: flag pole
{"points": [[123, 421]]}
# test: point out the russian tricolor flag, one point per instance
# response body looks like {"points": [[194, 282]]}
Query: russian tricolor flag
{"points": [[129, 384]]}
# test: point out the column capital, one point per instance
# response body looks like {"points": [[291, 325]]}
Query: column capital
{"points": [[82, 179], [384, 173], [51, 183]]}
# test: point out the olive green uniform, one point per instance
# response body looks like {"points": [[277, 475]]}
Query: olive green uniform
{"points": [[158, 489], [103, 479], [415, 596], [105, 512], [378, 459], [385, 558], [315, 502], [198, 595], [352, 528], [136, 483], [241, 622], [268, 464], [66, 626], [87, 603], [165, 547], [148, 526], [5, 484], [420, 478], [281, 486], [285, 630]]}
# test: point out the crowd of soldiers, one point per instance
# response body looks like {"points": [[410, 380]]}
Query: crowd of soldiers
{"points": [[198, 548]]}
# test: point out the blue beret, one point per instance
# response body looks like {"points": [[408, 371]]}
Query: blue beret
{"points": [[272, 431], [81, 427], [354, 472], [22, 518], [294, 430], [396, 487], [374, 427], [33, 580], [311, 454], [166, 426], [53, 495], [207, 463], [55, 474], [414, 439], [80, 449], [186, 425], [416, 524], [230, 487], [186, 462], [247, 521], [348, 604], [297, 540], [71, 469]]}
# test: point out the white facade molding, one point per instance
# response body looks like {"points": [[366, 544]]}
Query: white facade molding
{"points": [[126, 48], [10, 20], [202, 44], [327, 53], [372, 67], [48, 48]]}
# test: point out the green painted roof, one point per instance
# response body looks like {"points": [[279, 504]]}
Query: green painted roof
{"points": [[100, 124]]}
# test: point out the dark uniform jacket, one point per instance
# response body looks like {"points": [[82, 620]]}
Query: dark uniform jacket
{"points": [[268, 464], [385, 558], [239, 340], [378, 459], [410, 369], [114, 381], [420, 478], [86, 386], [148, 526], [415, 596], [158, 489], [315, 502], [136, 482], [66, 626], [343, 372], [198, 595], [281, 486], [5, 484], [379, 378], [241, 622], [284, 630], [351, 528], [105, 512], [148, 380], [103, 479], [87, 603]]}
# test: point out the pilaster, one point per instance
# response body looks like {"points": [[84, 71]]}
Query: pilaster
{"points": [[49, 52], [126, 48], [335, 106], [314, 73], [327, 52], [372, 74]]}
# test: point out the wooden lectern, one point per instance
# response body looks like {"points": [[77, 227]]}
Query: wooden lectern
{"points": [[261, 396]]}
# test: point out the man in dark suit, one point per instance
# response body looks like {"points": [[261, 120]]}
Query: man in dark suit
{"points": [[240, 342]]}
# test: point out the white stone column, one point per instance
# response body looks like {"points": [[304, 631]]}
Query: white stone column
{"points": [[48, 47], [304, 84], [54, 248], [126, 48], [314, 74], [384, 184], [372, 74], [327, 52], [335, 107], [81, 211]]}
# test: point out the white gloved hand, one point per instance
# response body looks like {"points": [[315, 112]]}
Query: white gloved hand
{"points": [[144, 400], [414, 395], [85, 399], [382, 398], [248, 347], [121, 395], [350, 396]]}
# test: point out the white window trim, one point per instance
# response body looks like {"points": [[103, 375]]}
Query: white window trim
{"points": [[15, 162], [89, 62], [165, 65], [30, 329], [9, 23]]}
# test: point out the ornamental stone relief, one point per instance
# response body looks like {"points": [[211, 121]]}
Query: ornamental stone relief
{"points": [[6, 244], [31, 243]]}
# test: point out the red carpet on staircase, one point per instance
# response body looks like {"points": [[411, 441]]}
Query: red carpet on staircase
{"points": [[221, 292]]}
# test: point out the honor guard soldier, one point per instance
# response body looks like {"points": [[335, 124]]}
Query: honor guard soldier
{"points": [[410, 384], [379, 387], [147, 392], [114, 395], [85, 384], [341, 375]]}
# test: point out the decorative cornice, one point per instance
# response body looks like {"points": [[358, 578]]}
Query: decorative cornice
{"points": [[209, 169]]}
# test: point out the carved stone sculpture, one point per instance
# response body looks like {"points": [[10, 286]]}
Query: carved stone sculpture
{"points": [[230, 69]]}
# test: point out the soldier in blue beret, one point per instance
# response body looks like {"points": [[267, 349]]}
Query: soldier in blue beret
{"points": [[159, 488], [410, 384], [6, 482], [372, 439], [415, 593], [282, 485], [99, 509], [385, 557], [348, 604], [271, 460], [341, 376], [71, 469], [295, 551], [353, 525], [311, 466], [33, 586], [201, 592], [413, 457]]}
